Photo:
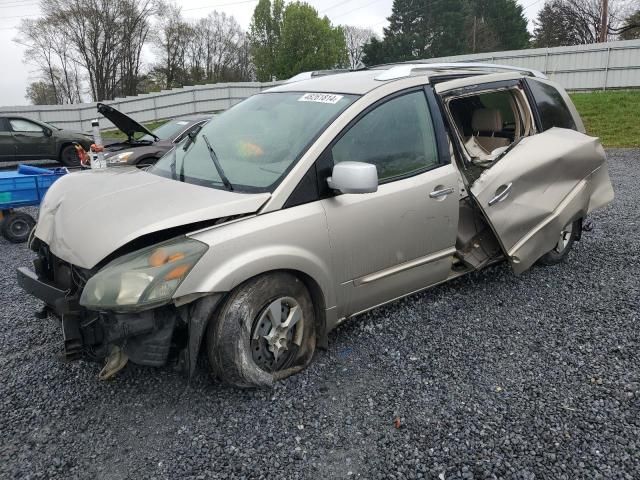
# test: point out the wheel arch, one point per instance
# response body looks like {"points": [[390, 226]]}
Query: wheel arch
{"points": [[224, 277]]}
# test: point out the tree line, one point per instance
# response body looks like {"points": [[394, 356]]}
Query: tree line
{"points": [[96, 48]]}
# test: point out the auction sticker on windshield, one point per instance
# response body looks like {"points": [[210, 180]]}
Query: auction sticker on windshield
{"points": [[320, 98]]}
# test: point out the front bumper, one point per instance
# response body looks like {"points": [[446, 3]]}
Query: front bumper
{"points": [[54, 297], [146, 337]]}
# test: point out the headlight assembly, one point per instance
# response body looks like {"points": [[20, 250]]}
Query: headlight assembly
{"points": [[120, 157], [143, 279]]}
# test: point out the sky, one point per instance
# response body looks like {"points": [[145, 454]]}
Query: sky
{"points": [[17, 74]]}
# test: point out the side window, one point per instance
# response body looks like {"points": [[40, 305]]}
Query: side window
{"points": [[551, 106], [4, 126], [397, 137], [488, 122], [20, 125]]}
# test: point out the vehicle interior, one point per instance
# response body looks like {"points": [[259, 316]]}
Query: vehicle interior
{"points": [[487, 124]]}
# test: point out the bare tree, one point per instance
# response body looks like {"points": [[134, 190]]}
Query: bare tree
{"points": [[356, 38], [103, 37], [570, 22], [135, 27], [51, 51], [41, 93], [211, 49], [172, 43]]}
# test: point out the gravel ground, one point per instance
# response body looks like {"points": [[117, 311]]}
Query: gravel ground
{"points": [[490, 376]]}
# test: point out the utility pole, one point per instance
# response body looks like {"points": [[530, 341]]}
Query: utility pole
{"points": [[604, 24]]}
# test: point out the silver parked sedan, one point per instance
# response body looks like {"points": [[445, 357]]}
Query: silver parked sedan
{"points": [[308, 204]]}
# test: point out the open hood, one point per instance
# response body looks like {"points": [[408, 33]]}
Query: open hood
{"points": [[88, 215], [123, 122]]}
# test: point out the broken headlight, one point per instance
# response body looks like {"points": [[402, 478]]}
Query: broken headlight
{"points": [[142, 279]]}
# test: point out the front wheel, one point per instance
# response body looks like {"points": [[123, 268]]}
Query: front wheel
{"points": [[264, 331], [565, 242], [69, 156]]}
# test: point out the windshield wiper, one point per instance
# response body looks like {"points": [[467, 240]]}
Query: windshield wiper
{"points": [[216, 162]]}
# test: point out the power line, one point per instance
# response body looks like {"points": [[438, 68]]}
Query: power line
{"points": [[335, 5], [530, 5], [355, 9], [229, 4]]}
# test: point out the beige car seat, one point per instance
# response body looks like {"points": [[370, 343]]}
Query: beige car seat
{"points": [[485, 122]]}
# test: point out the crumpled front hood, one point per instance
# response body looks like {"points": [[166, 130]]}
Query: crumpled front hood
{"points": [[85, 216]]}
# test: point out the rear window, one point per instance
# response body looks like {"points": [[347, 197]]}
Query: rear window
{"points": [[551, 106]]}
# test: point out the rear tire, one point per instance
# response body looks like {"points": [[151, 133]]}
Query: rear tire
{"points": [[263, 332], [563, 247], [69, 156], [16, 227]]}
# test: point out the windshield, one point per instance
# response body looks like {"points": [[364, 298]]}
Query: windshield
{"points": [[255, 143], [168, 131]]}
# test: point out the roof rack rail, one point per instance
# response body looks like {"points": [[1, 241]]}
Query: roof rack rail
{"points": [[399, 70], [315, 73]]}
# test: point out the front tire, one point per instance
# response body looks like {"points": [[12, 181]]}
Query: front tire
{"points": [[263, 332], [560, 251], [69, 156]]}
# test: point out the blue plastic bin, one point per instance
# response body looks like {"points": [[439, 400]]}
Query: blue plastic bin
{"points": [[23, 190]]}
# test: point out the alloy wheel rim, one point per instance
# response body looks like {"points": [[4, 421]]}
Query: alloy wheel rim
{"points": [[277, 334]]}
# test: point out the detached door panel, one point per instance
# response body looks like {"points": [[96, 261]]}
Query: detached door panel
{"points": [[547, 181]]}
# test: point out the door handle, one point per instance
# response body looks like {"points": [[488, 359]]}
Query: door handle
{"points": [[442, 192], [501, 193]]}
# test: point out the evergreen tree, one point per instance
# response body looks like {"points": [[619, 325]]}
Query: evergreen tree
{"points": [[558, 25], [631, 27], [496, 25], [437, 28]]}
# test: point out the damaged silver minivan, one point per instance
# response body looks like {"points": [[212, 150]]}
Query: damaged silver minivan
{"points": [[308, 204]]}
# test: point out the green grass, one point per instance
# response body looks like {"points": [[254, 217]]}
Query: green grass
{"points": [[613, 116], [118, 135]]}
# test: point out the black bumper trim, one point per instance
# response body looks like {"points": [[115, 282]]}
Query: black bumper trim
{"points": [[46, 292]]}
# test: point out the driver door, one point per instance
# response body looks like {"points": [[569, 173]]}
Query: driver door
{"points": [[7, 143], [31, 141], [401, 238]]}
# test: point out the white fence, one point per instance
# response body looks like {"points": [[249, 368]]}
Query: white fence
{"points": [[598, 66], [146, 107]]}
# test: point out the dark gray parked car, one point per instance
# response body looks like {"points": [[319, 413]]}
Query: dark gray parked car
{"points": [[23, 139], [148, 148]]}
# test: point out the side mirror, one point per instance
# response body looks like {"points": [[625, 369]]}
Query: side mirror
{"points": [[354, 177], [47, 132]]}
